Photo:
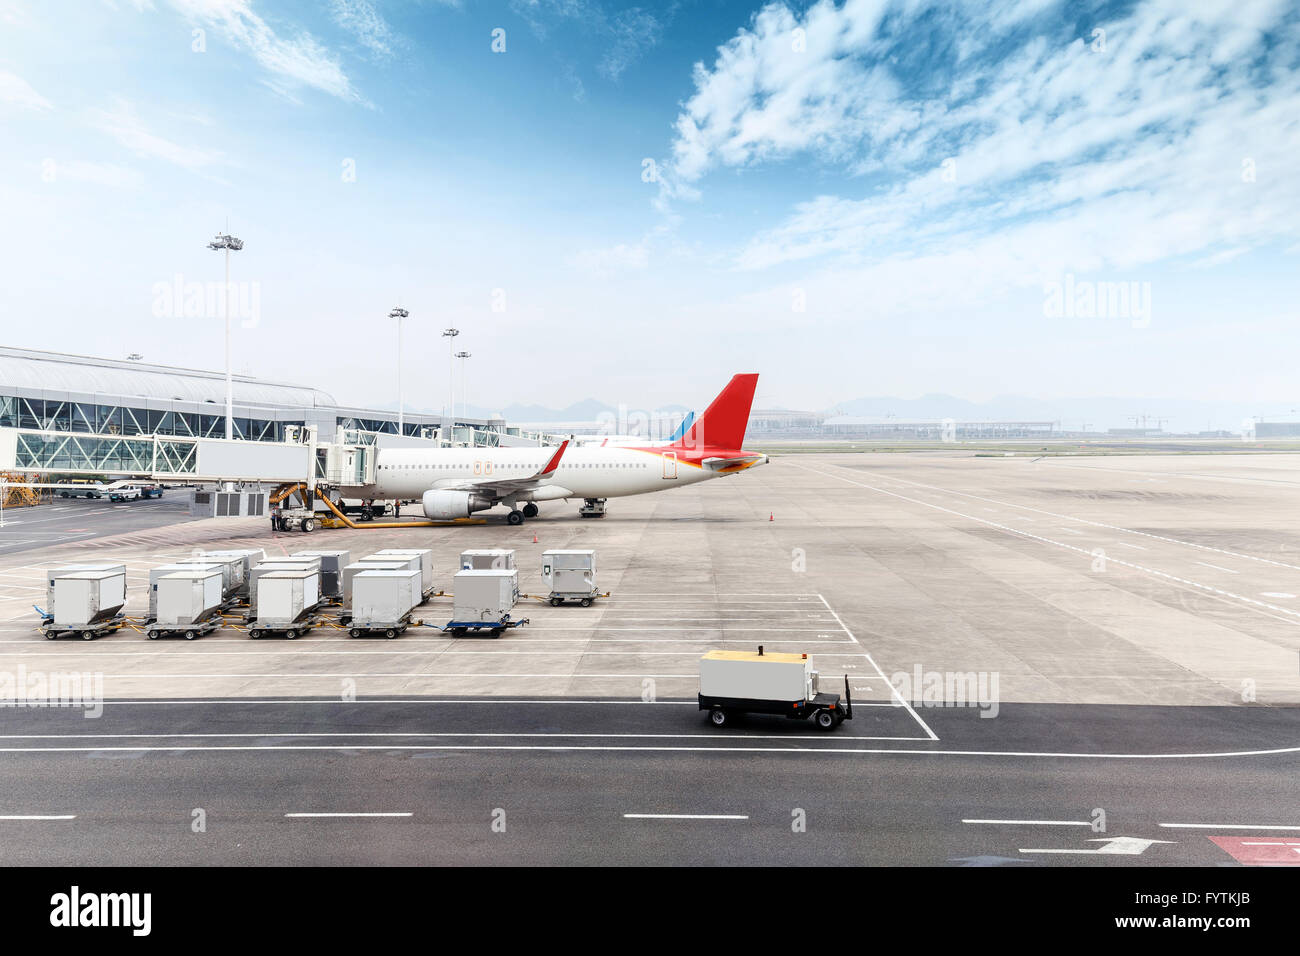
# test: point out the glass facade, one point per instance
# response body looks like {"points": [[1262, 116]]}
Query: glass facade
{"points": [[91, 453], [90, 419]]}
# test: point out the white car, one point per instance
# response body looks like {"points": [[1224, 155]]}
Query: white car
{"points": [[125, 493]]}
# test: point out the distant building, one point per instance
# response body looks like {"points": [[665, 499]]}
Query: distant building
{"points": [[932, 429], [784, 423], [1277, 429]]}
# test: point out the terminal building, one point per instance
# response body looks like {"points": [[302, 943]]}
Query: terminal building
{"points": [[61, 412]]}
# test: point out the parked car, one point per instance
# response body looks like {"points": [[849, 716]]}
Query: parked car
{"points": [[124, 493], [151, 491]]}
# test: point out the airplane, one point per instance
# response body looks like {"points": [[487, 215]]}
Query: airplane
{"points": [[457, 482]]}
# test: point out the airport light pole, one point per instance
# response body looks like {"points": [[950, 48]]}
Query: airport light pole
{"points": [[464, 383], [228, 244], [399, 313], [450, 336]]}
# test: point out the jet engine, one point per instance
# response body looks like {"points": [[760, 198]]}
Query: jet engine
{"points": [[445, 505]]}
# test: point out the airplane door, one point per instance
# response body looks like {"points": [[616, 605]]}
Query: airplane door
{"points": [[670, 464]]}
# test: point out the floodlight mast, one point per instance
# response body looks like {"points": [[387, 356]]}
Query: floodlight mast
{"points": [[228, 244], [449, 432], [399, 313], [464, 390]]}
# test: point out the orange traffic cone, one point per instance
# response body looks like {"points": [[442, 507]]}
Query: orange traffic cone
{"points": [[771, 516], [534, 539]]}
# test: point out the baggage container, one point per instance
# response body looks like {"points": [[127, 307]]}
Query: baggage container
{"points": [[374, 564], [248, 558], [484, 595], [383, 600], [187, 598], [233, 576], [426, 563], [53, 573], [272, 565], [83, 598], [157, 574], [285, 597], [570, 576], [332, 563], [487, 559]]}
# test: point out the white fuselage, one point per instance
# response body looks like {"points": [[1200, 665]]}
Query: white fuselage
{"points": [[408, 473]]}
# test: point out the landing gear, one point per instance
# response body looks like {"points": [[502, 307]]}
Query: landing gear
{"points": [[515, 517], [530, 510], [592, 508]]}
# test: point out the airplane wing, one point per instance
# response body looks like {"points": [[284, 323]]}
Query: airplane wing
{"points": [[499, 487]]}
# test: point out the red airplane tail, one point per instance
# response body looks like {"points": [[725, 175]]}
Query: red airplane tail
{"points": [[723, 423]]}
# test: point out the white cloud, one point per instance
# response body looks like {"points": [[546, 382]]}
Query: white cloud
{"points": [[627, 35], [608, 261], [631, 33], [123, 124], [1039, 155], [364, 21], [15, 91], [296, 62], [100, 174]]}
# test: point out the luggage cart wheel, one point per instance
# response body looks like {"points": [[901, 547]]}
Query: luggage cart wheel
{"points": [[50, 635], [153, 635], [255, 634], [826, 720], [718, 717], [190, 635], [586, 602], [390, 633], [555, 602], [88, 636], [291, 634], [355, 632]]}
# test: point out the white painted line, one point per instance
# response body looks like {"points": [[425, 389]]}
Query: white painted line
{"points": [[1135, 547], [404, 675], [1217, 567], [892, 689], [434, 734], [344, 814], [702, 627], [797, 751], [1227, 826], [685, 816], [1276, 594], [33, 816], [1035, 823]]}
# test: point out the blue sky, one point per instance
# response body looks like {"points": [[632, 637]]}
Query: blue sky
{"points": [[852, 198]]}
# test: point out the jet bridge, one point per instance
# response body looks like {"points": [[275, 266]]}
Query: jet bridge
{"points": [[192, 460]]}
